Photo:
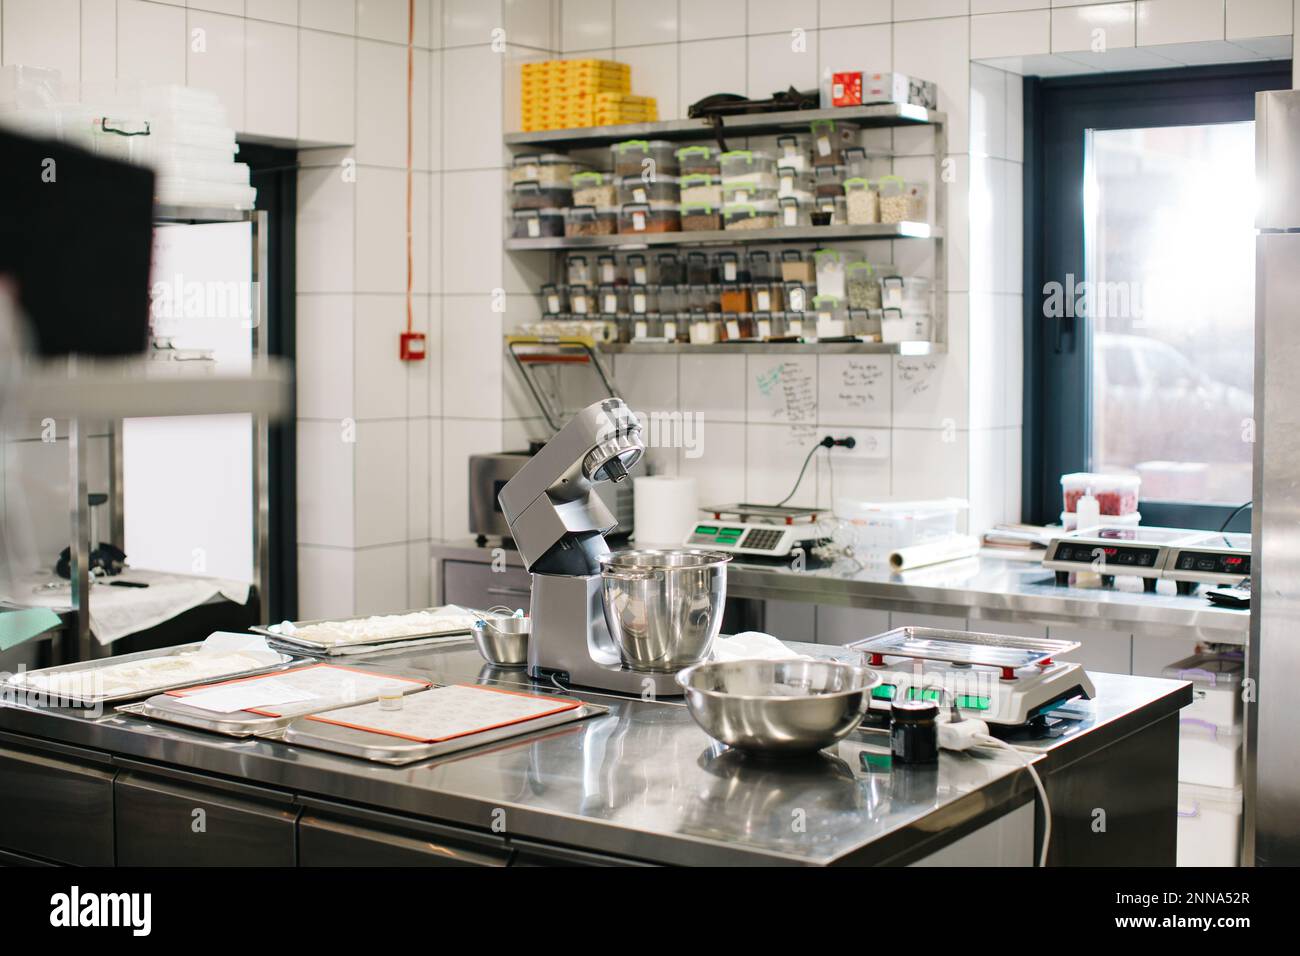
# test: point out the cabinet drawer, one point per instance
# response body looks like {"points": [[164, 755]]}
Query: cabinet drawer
{"points": [[56, 808], [474, 584], [327, 838], [165, 822]]}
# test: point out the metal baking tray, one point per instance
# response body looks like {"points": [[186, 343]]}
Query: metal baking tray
{"points": [[963, 647], [19, 681], [381, 748], [243, 723], [370, 644]]}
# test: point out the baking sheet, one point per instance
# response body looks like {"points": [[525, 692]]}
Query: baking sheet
{"points": [[324, 680], [361, 643], [337, 734], [86, 697]]}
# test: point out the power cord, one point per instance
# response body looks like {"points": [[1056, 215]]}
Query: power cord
{"points": [[1027, 762], [827, 442]]}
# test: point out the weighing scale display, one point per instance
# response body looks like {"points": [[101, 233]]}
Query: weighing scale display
{"points": [[753, 538]]}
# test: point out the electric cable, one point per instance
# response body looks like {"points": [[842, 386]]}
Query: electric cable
{"points": [[1027, 763]]}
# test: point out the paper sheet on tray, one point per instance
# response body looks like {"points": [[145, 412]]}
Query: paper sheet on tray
{"points": [[445, 713], [245, 695], [319, 682]]}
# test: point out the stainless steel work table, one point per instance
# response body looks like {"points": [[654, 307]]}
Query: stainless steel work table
{"points": [[985, 588], [643, 784]]}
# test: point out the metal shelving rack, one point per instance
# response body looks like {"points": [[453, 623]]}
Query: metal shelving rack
{"points": [[886, 116], [112, 390]]}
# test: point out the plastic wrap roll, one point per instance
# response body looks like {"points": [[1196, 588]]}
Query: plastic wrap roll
{"points": [[665, 510], [934, 552]]}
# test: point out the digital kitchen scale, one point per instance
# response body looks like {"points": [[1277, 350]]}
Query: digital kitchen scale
{"points": [[1111, 551], [1001, 679], [761, 531], [1220, 559]]}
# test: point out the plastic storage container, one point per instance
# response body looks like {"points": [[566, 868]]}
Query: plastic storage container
{"points": [[641, 217], [701, 188], [750, 165], [831, 265], [699, 271], [767, 297], [796, 268], [862, 286], [642, 299], [729, 268], [792, 152], [829, 140], [608, 270], [793, 182], [740, 191], [874, 529], [862, 199], [533, 195], [659, 192], [1209, 753], [555, 300], [594, 189], [1216, 688], [581, 300], [901, 201], [699, 217], [578, 270], [1070, 520], [1209, 826], [832, 317], [1115, 494], [697, 160], [828, 181], [547, 169], [896, 325], [866, 323], [637, 156], [755, 215], [794, 212], [611, 299], [537, 223], [639, 270], [670, 269], [590, 221], [909, 293], [830, 211]]}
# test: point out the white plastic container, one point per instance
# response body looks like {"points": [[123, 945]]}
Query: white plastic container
{"points": [[1209, 754], [1209, 826], [1115, 494], [1070, 521], [831, 265], [898, 325], [1216, 688]]}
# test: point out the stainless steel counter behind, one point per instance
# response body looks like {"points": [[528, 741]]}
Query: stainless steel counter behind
{"points": [[980, 589], [643, 783]]}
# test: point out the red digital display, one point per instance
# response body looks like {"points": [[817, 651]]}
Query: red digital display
{"points": [[1232, 562], [1111, 552]]}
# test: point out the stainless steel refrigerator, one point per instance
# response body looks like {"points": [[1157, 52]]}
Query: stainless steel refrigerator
{"points": [[1272, 780]]}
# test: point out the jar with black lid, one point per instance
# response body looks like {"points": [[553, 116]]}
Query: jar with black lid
{"points": [[914, 731]]}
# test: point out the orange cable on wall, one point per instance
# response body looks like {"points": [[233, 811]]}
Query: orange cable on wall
{"points": [[410, 149]]}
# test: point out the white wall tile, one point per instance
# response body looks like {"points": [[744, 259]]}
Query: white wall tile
{"points": [[460, 439], [326, 583], [271, 74], [708, 67], [381, 105], [988, 110], [277, 11], [419, 571], [381, 391], [856, 48], [637, 23], [417, 479], [717, 18], [45, 33], [381, 579], [713, 386], [471, 388], [719, 469], [336, 16], [215, 60], [1258, 18], [586, 25], [773, 457], [778, 61], [987, 494], [326, 227], [435, 478], [471, 232], [854, 390], [533, 23], [654, 73], [1179, 21], [1012, 505], [1006, 6], [326, 497], [381, 230], [234, 8], [930, 464], [1075, 28], [381, 483], [850, 13], [928, 9], [1010, 34], [324, 369], [98, 41], [151, 42], [915, 46], [327, 87], [471, 109], [389, 20], [1015, 118], [467, 22], [782, 16]]}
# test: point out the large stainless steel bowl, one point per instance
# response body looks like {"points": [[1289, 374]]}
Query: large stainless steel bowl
{"points": [[664, 608], [783, 707]]}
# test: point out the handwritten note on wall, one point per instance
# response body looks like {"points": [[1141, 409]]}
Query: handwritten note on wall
{"points": [[783, 390], [914, 376], [854, 390]]}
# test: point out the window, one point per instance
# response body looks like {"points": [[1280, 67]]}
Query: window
{"points": [[1139, 298]]}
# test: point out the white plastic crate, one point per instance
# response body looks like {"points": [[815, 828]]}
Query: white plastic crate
{"points": [[1209, 826]]}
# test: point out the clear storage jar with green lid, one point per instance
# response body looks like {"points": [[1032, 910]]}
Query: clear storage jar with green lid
{"points": [[537, 223], [698, 160], [592, 188], [902, 201], [862, 285], [635, 157], [792, 151], [755, 215], [750, 164], [832, 317], [644, 218], [657, 191], [701, 188], [794, 212], [862, 201], [740, 191], [590, 221], [701, 217]]}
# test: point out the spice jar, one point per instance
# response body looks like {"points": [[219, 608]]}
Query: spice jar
{"points": [[728, 266], [766, 297], [796, 297], [580, 300], [914, 731], [607, 271], [612, 300]]}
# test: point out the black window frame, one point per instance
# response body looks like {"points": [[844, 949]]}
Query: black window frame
{"points": [[1058, 110]]}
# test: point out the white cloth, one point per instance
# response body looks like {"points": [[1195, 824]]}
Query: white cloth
{"points": [[753, 645], [117, 612]]}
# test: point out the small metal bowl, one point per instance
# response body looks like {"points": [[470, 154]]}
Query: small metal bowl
{"points": [[503, 641], [779, 707]]}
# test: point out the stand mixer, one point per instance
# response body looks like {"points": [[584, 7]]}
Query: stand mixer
{"points": [[559, 526]]}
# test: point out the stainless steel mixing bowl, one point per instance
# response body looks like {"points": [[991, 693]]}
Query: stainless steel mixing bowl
{"points": [[503, 641], [780, 707], [664, 608]]}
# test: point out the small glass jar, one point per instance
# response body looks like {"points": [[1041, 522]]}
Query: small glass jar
{"points": [[608, 271], [796, 298], [670, 269], [581, 301], [578, 270], [555, 300], [638, 270]]}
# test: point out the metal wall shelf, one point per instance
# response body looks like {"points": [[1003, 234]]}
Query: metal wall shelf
{"points": [[774, 348], [729, 237], [754, 124]]}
